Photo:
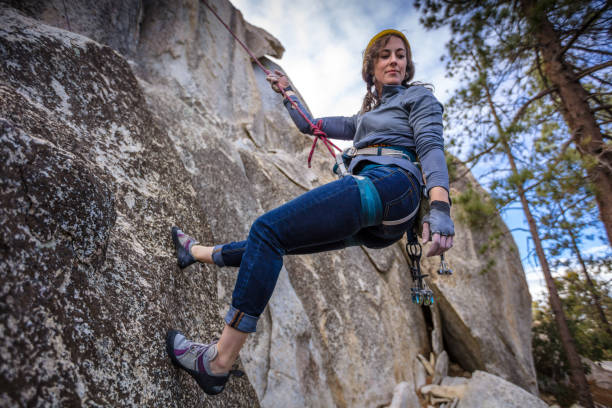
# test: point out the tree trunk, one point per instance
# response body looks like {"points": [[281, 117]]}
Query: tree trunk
{"points": [[591, 286], [576, 111], [576, 370]]}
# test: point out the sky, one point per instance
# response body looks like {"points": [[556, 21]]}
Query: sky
{"points": [[324, 41]]}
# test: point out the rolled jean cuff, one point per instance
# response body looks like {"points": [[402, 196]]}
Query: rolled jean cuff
{"points": [[241, 321], [217, 256]]}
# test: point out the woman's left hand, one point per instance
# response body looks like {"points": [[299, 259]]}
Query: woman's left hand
{"points": [[277, 80]]}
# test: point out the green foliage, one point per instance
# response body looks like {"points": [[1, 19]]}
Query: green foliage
{"points": [[475, 209], [489, 264], [508, 119], [478, 211], [496, 59], [591, 338], [551, 364], [519, 178]]}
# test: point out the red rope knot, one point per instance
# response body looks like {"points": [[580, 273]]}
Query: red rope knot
{"points": [[316, 129], [318, 133]]}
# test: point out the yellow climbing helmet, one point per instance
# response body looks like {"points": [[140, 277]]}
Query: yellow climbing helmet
{"points": [[385, 32]]}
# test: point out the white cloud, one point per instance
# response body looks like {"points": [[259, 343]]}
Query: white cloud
{"points": [[597, 250]]}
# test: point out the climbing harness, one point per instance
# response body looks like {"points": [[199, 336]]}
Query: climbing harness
{"points": [[316, 129], [371, 205], [343, 160]]}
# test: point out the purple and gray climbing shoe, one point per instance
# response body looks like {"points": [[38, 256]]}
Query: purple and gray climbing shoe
{"points": [[183, 244], [195, 358]]}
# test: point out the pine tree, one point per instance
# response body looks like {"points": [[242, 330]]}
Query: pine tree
{"points": [[500, 110], [584, 29], [560, 42], [591, 340], [565, 206]]}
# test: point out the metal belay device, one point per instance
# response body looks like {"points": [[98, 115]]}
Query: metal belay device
{"points": [[420, 293]]}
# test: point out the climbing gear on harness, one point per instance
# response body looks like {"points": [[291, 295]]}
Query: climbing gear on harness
{"points": [[420, 294], [385, 32], [343, 161], [316, 129], [444, 269], [195, 358]]}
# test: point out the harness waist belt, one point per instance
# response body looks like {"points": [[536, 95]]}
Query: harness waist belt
{"points": [[382, 151]]}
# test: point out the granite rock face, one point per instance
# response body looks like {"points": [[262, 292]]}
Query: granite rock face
{"points": [[109, 139], [485, 390], [90, 187]]}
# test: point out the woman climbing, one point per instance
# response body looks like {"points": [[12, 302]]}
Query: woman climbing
{"points": [[373, 206]]}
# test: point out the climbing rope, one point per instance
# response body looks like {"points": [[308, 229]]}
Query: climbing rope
{"points": [[316, 129]]}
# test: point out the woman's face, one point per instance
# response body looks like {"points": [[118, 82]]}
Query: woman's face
{"points": [[390, 66]]}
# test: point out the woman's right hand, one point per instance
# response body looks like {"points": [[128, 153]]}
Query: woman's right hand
{"points": [[277, 80]]}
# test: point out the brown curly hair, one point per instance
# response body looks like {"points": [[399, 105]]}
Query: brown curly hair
{"points": [[371, 100]]}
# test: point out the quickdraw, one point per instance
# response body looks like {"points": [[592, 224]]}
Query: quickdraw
{"points": [[420, 293], [316, 129]]}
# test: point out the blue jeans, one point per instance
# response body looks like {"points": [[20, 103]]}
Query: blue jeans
{"points": [[323, 219]]}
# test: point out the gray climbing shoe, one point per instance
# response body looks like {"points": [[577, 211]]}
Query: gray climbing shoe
{"points": [[183, 244], [195, 358]]}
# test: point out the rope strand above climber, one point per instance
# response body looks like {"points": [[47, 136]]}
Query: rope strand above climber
{"points": [[317, 131]]}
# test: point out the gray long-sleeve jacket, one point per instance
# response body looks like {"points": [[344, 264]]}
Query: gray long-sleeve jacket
{"points": [[407, 116]]}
